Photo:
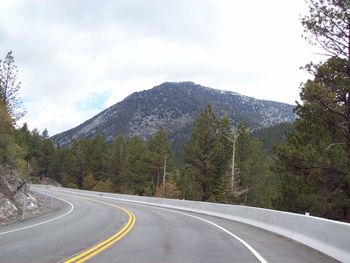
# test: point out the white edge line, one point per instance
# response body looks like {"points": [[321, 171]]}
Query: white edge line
{"points": [[44, 222], [249, 247]]}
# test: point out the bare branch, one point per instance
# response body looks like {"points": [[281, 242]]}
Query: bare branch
{"points": [[334, 144], [324, 104]]}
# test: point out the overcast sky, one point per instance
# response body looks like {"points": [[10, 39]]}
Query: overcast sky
{"points": [[76, 58]]}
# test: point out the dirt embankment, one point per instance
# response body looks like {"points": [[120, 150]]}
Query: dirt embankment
{"points": [[17, 201]]}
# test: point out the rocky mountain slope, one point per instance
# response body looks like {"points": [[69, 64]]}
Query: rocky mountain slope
{"points": [[175, 106], [16, 200]]}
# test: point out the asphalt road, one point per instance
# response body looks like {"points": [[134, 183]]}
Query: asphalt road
{"points": [[158, 236]]}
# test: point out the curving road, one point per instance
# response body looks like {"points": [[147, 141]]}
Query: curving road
{"points": [[159, 235]]}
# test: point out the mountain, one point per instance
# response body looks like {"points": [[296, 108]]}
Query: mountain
{"points": [[174, 105]]}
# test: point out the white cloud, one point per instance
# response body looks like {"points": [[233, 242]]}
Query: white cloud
{"points": [[70, 53]]}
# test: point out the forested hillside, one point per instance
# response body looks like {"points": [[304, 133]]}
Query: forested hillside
{"points": [[134, 165], [302, 167], [174, 106], [273, 136], [137, 166]]}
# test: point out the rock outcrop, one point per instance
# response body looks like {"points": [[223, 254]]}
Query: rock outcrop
{"points": [[16, 199]]}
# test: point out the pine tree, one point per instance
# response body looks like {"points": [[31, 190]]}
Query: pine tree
{"points": [[327, 26], [187, 184], [138, 177], [6, 135], [200, 152], [11, 154], [256, 186], [224, 192], [314, 162], [76, 164], [57, 169], [95, 156], [223, 154], [160, 151], [116, 162], [9, 87], [47, 154], [313, 176]]}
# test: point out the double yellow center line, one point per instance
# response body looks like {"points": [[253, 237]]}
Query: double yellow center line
{"points": [[93, 251]]}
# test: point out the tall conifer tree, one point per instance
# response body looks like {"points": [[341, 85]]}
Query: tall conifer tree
{"points": [[314, 163]]}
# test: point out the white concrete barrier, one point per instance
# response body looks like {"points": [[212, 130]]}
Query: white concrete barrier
{"points": [[327, 236]]}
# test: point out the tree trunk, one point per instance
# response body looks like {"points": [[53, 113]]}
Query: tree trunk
{"points": [[158, 179], [204, 192], [347, 113]]}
